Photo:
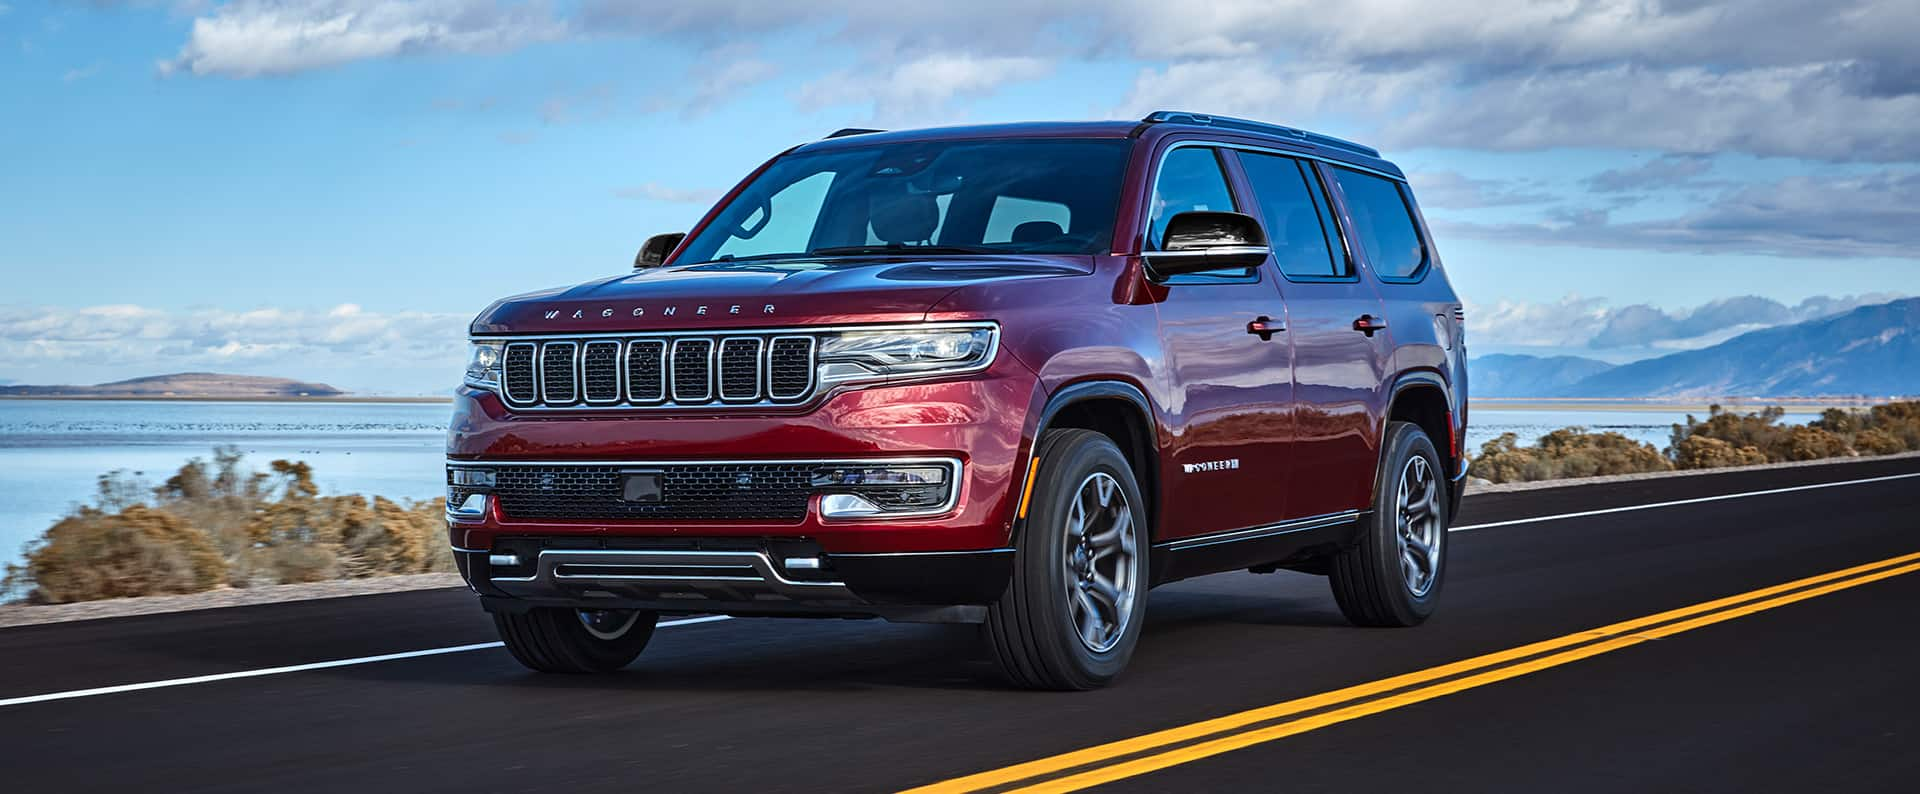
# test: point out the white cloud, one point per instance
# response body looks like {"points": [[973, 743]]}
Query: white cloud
{"points": [[1865, 215], [919, 87], [1837, 80], [407, 352], [251, 38]]}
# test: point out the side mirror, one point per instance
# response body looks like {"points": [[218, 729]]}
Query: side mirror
{"points": [[654, 252], [1201, 242]]}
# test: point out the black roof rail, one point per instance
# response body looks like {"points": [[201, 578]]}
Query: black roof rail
{"points": [[1231, 123], [842, 133]]}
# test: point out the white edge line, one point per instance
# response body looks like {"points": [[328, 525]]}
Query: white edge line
{"points": [[1697, 500], [390, 657], [293, 668]]}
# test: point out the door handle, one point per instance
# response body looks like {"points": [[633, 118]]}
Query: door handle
{"points": [[1368, 324], [1265, 327]]}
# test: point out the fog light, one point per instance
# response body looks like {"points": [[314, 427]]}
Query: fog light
{"points": [[853, 476], [474, 508], [905, 489]]}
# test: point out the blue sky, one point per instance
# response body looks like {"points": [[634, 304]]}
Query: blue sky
{"points": [[329, 188]]}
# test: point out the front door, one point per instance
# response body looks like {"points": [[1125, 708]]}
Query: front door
{"points": [[1229, 389], [1338, 367]]}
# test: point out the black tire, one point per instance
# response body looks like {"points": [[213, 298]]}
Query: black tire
{"points": [[1033, 631], [554, 640], [1368, 578]]}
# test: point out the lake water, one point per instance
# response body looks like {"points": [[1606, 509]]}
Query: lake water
{"points": [[52, 451]]}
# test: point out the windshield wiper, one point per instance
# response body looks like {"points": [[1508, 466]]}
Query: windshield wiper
{"points": [[896, 249]]}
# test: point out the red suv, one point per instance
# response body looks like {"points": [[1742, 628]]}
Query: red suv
{"points": [[1012, 375]]}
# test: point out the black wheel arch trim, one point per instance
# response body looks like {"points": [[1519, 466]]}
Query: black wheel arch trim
{"points": [[1104, 389]]}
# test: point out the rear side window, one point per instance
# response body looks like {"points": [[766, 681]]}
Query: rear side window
{"points": [[1305, 241], [1190, 180], [1384, 223]]}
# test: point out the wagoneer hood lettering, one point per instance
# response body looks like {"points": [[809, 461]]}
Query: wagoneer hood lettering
{"points": [[759, 293]]}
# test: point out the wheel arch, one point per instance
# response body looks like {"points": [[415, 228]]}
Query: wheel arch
{"points": [[1423, 398], [1116, 409]]}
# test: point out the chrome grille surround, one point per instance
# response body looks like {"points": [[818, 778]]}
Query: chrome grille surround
{"points": [[786, 362]]}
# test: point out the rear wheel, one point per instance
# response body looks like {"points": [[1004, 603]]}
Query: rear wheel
{"points": [[554, 640], [1072, 614], [1392, 577]]}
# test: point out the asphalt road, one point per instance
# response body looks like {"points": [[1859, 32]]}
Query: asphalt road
{"points": [[1819, 693]]}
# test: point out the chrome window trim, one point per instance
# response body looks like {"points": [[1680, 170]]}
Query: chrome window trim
{"points": [[626, 364], [1145, 218], [760, 362], [541, 360], [505, 392], [673, 369], [619, 371], [813, 368], [955, 473]]}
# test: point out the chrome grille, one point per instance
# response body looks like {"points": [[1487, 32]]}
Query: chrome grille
{"points": [[740, 369], [692, 371], [600, 372], [659, 371], [790, 367], [558, 384]]}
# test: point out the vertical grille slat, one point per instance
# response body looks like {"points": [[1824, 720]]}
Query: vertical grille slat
{"points": [[646, 371], [790, 368], [692, 371], [600, 372], [740, 369], [518, 382], [558, 383], [661, 370]]}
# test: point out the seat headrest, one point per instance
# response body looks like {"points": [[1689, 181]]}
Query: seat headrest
{"points": [[900, 215], [1037, 232]]}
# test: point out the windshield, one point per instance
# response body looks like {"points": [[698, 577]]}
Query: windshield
{"points": [[924, 198]]}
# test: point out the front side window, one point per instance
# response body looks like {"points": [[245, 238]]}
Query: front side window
{"points": [[924, 197], [1384, 223], [1305, 240], [1190, 180]]}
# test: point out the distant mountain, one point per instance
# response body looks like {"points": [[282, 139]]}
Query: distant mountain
{"points": [[1512, 375], [185, 384], [1872, 350]]}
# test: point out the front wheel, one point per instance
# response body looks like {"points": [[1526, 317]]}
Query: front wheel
{"points": [[1392, 577], [1072, 613], [555, 640]]}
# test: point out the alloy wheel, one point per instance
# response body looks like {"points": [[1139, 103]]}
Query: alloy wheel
{"points": [[1100, 548], [1418, 526]]}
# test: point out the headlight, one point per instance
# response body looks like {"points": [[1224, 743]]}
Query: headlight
{"points": [[483, 365], [893, 353]]}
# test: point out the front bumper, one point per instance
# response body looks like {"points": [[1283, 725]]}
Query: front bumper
{"points": [[980, 421], [732, 577]]}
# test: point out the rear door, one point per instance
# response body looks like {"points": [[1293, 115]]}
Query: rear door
{"points": [[1229, 390], [1339, 368]]}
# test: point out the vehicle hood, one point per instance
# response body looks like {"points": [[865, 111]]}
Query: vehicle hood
{"points": [[760, 294]]}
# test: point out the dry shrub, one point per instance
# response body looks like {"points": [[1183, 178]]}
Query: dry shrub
{"points": [[1701, 452], [1569, 452], [137, 551], [1877, 442], [218, 523]]}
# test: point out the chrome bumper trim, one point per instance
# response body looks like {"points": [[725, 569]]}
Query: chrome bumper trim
{"points": [[721, 576]]}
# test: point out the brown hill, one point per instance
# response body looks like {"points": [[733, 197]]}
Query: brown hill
{"points": [[185, 384]]}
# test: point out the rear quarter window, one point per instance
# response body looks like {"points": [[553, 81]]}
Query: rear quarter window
{"points": [[1383, 222]]}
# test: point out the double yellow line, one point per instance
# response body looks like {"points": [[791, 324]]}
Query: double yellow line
{"points": [[1154, 751]]}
